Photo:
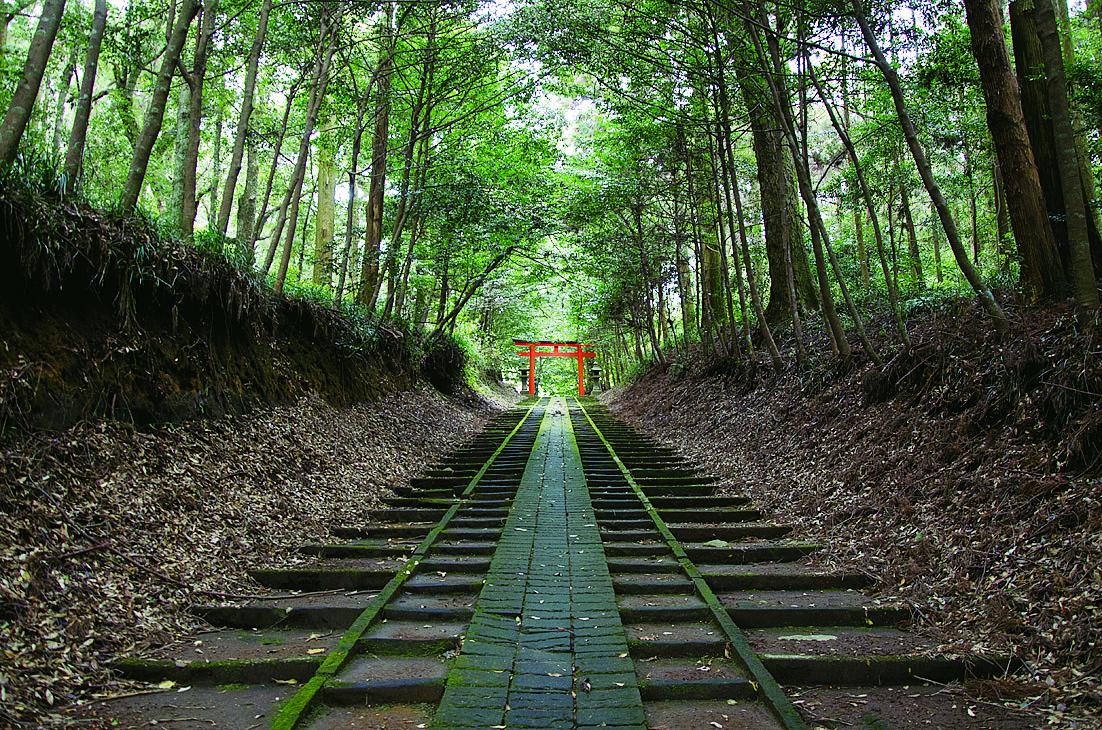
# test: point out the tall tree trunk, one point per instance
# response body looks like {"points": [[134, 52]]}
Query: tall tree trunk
{"points": [[913, 253], [925, 171], [777, 186], [74, 156], [262, 216], [242, 131], [1041, 274], [22, 101], [155, 113], [350, 217], [327, 45], [326, 219], [370, 279], [246, 204], [870, 207], [1081, 268], [196, 80], [63, 100]]}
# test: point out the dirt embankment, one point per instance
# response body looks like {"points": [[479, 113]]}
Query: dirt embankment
{"points": [[963, 476], [104, 316]]}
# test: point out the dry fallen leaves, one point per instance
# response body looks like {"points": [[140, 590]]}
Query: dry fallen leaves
{"points": [[99, 516]]}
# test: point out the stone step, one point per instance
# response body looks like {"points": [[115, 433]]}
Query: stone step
{"points": [[758, 552], [235, 657], [764, 609], [651, 608], [386, 680], [711, 679], [796, 575], [669, 639]]}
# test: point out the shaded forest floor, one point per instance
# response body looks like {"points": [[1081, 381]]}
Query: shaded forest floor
{"points": [[963, 477], [110, 532]]}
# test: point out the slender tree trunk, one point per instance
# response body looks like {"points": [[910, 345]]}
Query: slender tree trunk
{"points": [[74, 156], [262, 216], [913, 253], [870, 207], [370, 275], [327, 44], [925, 171], [196, 80], [326, 219], [22, 101], [243, 121], [63, 100], [350, 218], [751, 280], [246, 204], [155, 113]]}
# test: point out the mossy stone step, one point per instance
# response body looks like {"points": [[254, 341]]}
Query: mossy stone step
{"points": [[453, 564], [653, 607], [412, 637], [429, 608], [796, 575], [405, 515], [359, 550], [667, 502], [647, 584], [448, 583], [664, 564], [719, 531], [331, 615], [622, 549], [764, 609], [675, 516], [321, 579], [882, 670], [678, 679], [698, 639], [759, 552]]}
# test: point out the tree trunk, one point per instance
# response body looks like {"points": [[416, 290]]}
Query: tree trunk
{"points": [[1081, 268], [246, 205], [327, 45], [350, 217], [155, 113], [242, 131], [370, 279], [777, 186], [74, 156], [63, 100], [326, 219], [926, 173], [1041, 274], [22, 101], [196, 80], [262, 216], [870, 207], [913, 253]]}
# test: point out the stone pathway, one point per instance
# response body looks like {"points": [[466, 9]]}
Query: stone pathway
{"points": [[546, 648], [560, 571]]}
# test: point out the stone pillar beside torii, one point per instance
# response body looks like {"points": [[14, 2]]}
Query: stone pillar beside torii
{"points": [[576, 350]]}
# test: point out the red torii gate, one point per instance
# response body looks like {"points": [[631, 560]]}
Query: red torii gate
{"points": [[531, 351]]}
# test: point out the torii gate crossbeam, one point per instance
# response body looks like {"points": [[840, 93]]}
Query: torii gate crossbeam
{"points": [[532, 350]]}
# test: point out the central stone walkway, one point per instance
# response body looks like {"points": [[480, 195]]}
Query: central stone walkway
{"points": [[546, 648]]}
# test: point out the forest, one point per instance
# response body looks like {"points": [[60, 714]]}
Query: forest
{"points": [[643, 176], [849, 250]]}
